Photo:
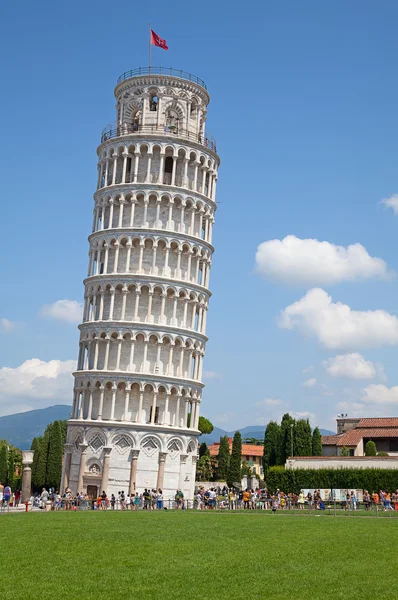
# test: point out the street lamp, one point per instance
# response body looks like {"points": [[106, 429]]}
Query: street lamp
{"points": [[291, 438]]}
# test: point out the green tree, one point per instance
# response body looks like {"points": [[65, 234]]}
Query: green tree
{"points": [[370, 449], [223, 459], [302, 438], [54, 456], [41, 466], [204, 450], [246, 469], [234, 471], [11, 469], [3, 464], [287, 432], [204, 470], [271, 445], [64, 425], [205, 426], [35, 447], [316, 442], [345, 451]]}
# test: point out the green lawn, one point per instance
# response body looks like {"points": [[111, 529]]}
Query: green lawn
{"points": [[178, 555]]}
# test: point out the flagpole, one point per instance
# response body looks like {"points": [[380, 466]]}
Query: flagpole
{"points": [[150, 48]]}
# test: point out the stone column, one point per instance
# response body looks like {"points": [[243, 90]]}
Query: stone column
{"points": [[162, 461], [133, 470], [105, 469], [27, 459], [83, 448], [183, 462], [66, 467]]}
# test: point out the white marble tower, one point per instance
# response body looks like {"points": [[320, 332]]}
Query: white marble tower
{"points": [[138, 383]]}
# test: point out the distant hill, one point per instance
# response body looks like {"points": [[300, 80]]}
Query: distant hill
{"points": [[251, 431], [21, 428]]}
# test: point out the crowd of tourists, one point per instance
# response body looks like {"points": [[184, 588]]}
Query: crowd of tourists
{"points": [[148, 500], [204, 499], [210, 498]]}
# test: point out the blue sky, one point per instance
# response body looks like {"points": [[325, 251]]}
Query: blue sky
{"points": [[304, 112]]}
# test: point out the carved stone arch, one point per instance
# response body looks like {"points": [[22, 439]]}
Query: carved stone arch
{"points": [[77, 440], [150, 444], [173, 108], [123, 442], [153, 334], [174, 447], [192, 446], [130, 110], [93, 467], [96, 440]]}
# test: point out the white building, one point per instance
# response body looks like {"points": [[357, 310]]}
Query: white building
{"points": [[138, 383]]}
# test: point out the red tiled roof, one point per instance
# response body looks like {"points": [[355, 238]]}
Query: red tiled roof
{"points": [[247, 449], [353, 437], [378, 422], [330, 440]]}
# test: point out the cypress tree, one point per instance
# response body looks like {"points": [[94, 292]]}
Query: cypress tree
{"points": [[3, 464], [203, 450], [11, 470], [316, 442], [64, 426], [35, 446], [223, 459], [235, 470], [287, 431], [271, 445], [54, 456], [41, 467], [302, 438]]}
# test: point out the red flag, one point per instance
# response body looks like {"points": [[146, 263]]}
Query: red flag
{"points": [[157, 41]]}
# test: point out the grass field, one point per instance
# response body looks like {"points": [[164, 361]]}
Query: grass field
{"points": [[178, 555]]}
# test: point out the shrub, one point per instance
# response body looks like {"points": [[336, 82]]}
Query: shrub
{"points": [[293, 480], [370, 449]]}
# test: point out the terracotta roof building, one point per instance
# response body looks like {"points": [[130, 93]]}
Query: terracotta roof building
{"points": [[252, 455], [355, 433]]}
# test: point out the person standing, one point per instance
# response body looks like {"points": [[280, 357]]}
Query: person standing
{"points": [[159, 500], [7, 495], [44, 498]]}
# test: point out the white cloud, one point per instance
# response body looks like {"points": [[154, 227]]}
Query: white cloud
{"points": [[311, 262], [308, 370], [304, 415], [212, 375], [7, 326], [38, 381], [63, 310], [336, 325], [310, 383], [269, 402], [375, 400], [351, 366], [380, 394], [391, 202]]}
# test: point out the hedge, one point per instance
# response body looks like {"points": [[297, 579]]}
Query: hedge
{"points": [[293, 480]]}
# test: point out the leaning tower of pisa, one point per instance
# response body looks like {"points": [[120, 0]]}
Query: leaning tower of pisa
{"points": [[138, 384]]}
